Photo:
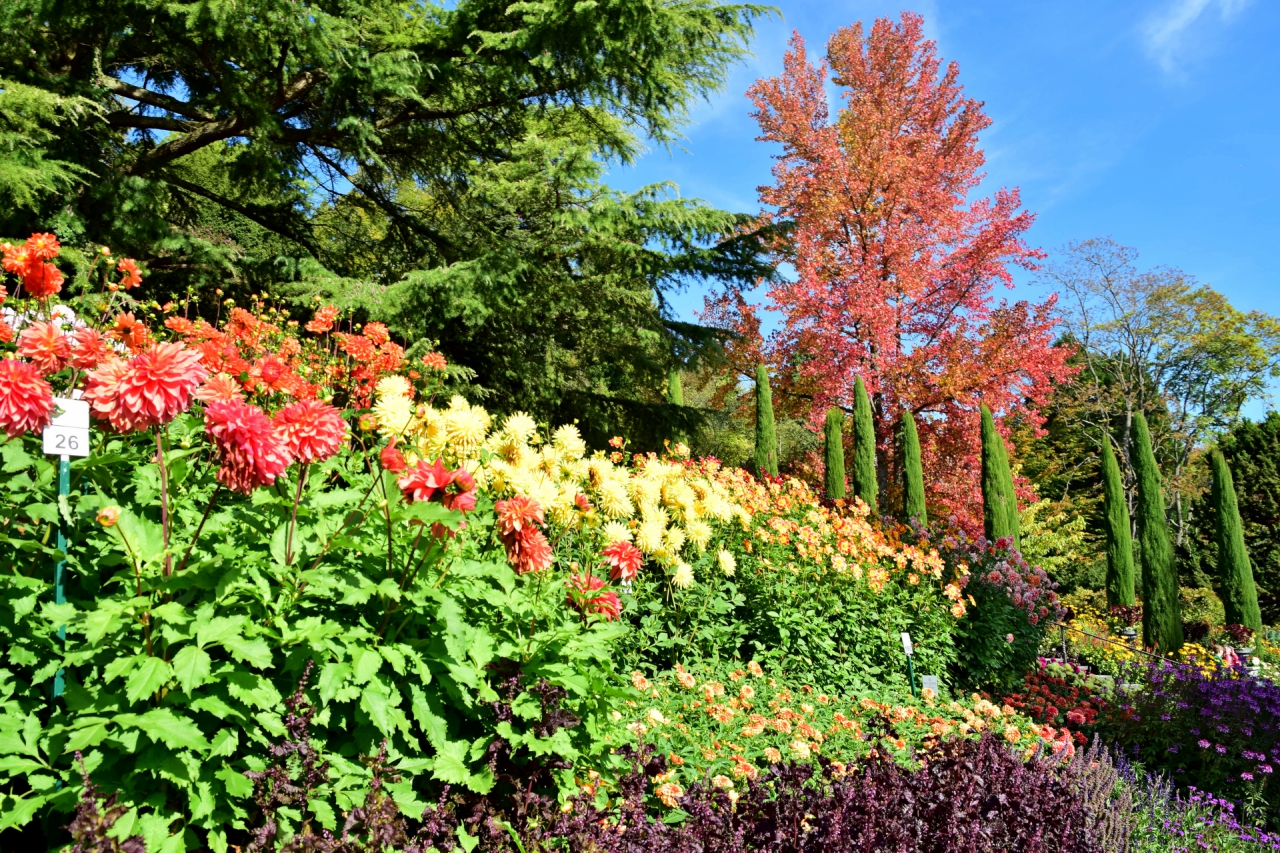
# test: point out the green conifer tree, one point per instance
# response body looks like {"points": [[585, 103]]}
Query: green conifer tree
{"points": [[766, 433], [865, 484], [834, 447], [999, 503], [1239, 595], [912, 472], [1161, 612], [1119, 538], [675, 391]]}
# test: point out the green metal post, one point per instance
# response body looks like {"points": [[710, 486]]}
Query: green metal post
{"points": [[59, 571], [911, 675]]}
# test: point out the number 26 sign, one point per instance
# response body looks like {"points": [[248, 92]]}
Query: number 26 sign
{"points": [[68, 434]]}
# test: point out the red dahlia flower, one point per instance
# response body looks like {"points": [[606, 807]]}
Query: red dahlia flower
{"points": [[312, 431], [250, 451], [6, 333], [45, 345], [585, 595], [422, 482], [529, 551], [26, 401], [392, 459], [152, 389], [624, 561], [460, 494], [41, 280]]}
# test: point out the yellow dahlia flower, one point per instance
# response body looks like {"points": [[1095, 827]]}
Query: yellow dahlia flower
{"points": [[728, 564], [613, 501], [616, 531], [569, 442], [699, 533], [394, 414], [394, 386], [682, 578]]}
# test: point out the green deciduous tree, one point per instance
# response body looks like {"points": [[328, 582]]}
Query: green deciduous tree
{"points": [[766, 436], [1239, 596], [865, 482], [999, 502], [1120, 590], [1158, 342], [1161, 612], [913, 505], [833, 451]]}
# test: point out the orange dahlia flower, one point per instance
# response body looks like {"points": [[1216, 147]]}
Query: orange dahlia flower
{"points": [[41, 280], [219, 388], [26, 400], [312, 431], [152, 389], [88, 349], [323, 320], [45, 346], [624, 560]]}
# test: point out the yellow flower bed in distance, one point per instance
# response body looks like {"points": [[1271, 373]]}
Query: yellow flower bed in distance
{"points": [[685, 516], [730, 725]]}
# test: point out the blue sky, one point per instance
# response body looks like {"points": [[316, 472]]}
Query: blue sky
{"points": [[1153, 121]]}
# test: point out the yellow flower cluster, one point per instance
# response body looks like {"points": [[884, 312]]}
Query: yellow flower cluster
{"points": [[666, 508]]}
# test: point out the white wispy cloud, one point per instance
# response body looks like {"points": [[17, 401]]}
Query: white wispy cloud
{"points": [[1169, 33]]}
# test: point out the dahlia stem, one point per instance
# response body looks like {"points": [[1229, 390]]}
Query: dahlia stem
{"points": [[293, 518], [164, 502], [194, 539]]}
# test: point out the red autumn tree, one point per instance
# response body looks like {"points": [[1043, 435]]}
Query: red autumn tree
{"points": [[894, 267]]}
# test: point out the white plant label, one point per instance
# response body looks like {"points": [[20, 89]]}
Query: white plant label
{"points": [[68, 434], [906, 644], [929, 682]]}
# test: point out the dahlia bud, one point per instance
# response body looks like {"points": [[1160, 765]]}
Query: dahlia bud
{"points": [[113, 287], [105, 251], [108, 516], [368, 423]]}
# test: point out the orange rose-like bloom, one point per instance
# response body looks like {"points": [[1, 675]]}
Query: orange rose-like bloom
{"points": [[26, 400], [249, 450], [45, 345], [312, 431], [150, 390], [219, 388], [434, 361], [88, 349]]}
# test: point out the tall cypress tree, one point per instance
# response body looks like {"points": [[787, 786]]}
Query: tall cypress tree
{"points": [[999, 503], [766, 434], [833, 441], [675, 391], [1161, 612], [1239, 595], [1119, 539], [865, 484], [912, 472]]}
